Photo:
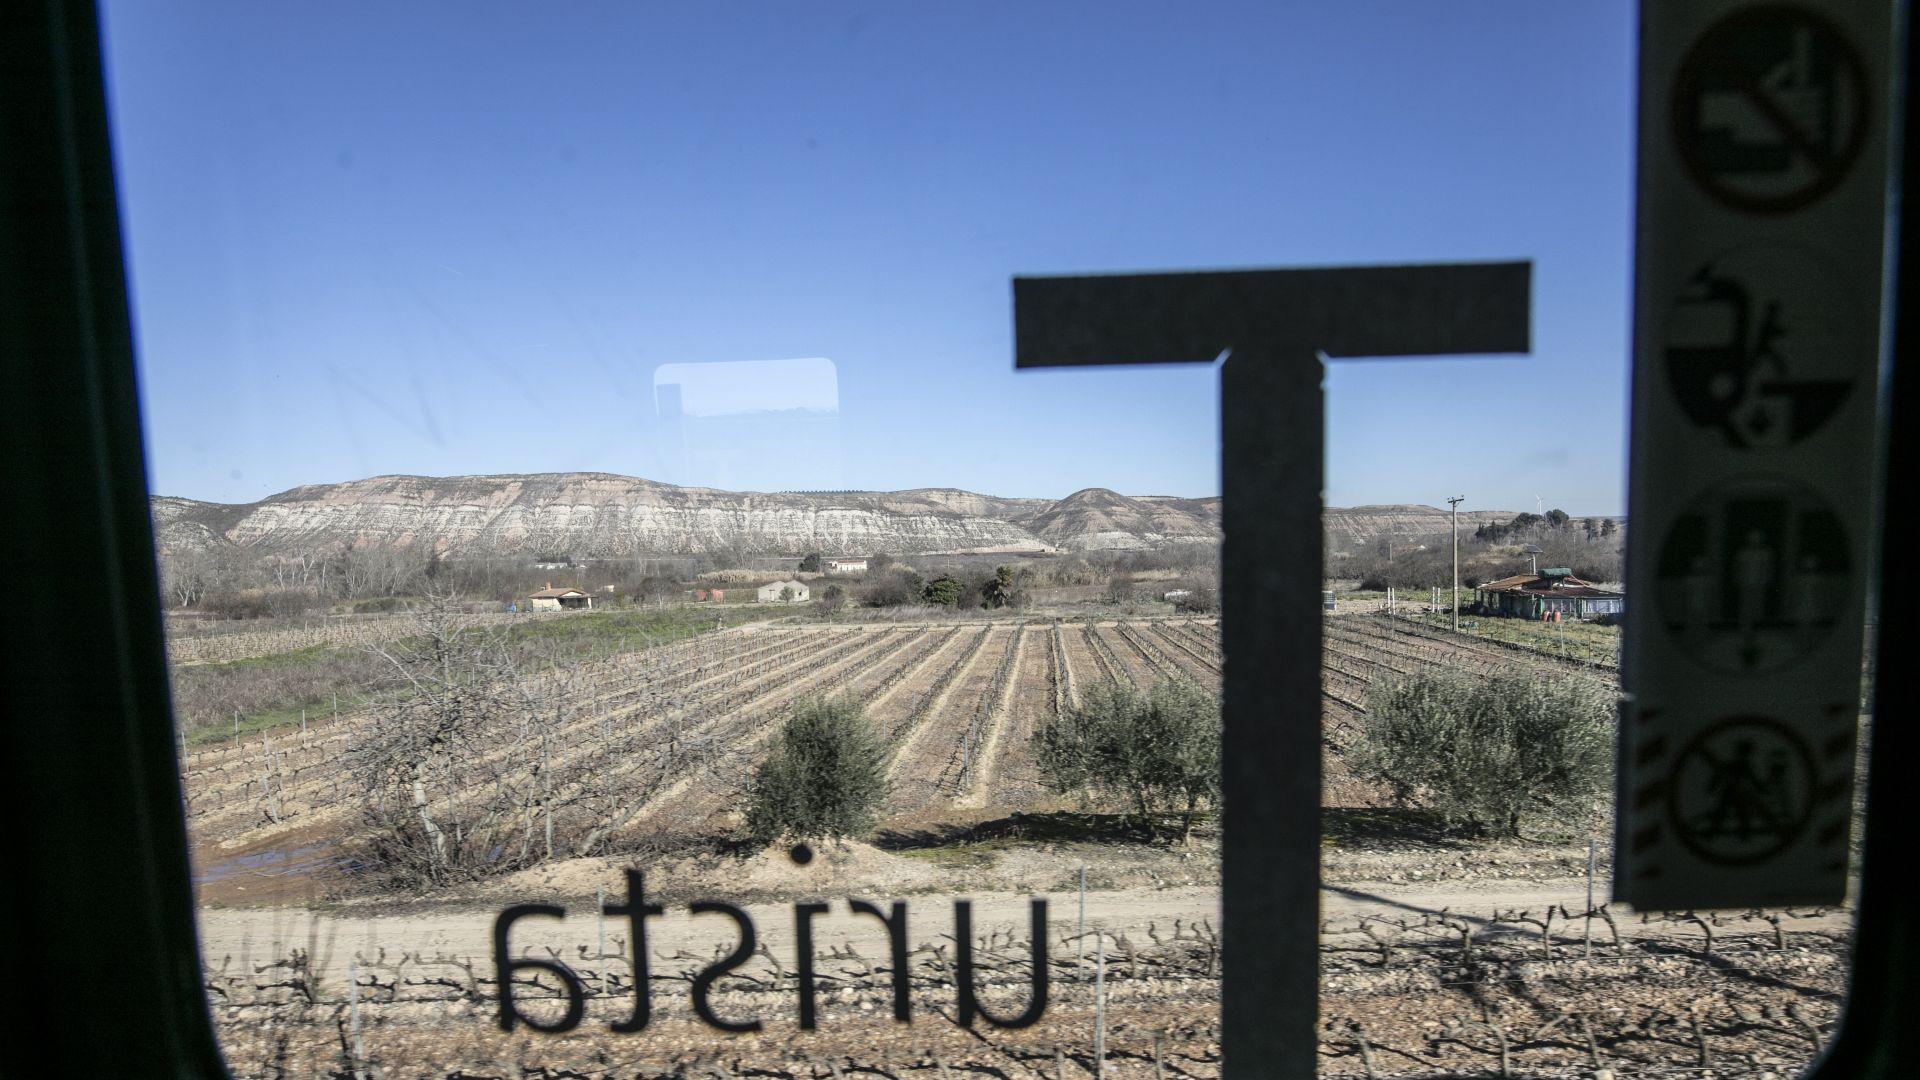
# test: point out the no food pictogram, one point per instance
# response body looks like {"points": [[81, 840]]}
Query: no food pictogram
{"points": [[1770, 108]]}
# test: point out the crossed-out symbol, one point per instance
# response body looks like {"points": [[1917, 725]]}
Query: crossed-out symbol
{"points": [[1770, 108], [1741, 791]]}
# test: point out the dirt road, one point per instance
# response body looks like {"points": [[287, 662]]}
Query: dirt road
{"points": [[335, 938]]}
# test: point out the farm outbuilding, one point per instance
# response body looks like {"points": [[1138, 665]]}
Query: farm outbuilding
{"points": [[1554, 592], [552, 599], [783, 592]]}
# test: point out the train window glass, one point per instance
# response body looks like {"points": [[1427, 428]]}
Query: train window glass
{"points": [[589, 472]]}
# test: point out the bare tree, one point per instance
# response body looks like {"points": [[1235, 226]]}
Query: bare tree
{"points": [[481, 756], [455, 764]]}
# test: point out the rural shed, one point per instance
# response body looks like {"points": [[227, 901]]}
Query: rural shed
{"points": [[552, 599], [1554, 591], [783, 592]]}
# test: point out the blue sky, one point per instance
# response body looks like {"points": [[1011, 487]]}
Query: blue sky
{"points": [[466, 238]]}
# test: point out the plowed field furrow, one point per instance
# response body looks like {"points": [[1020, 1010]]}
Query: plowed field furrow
{"points": [[661, 755], [326, 736], [1066, 686], [889, 671], [1430, 643], [294, 780], [315, 798], [904, 731], [740, 736], [1200, 665], [1191, 635], [1138, 667], [1089, 654], [1166, 662], [933, 758], [1014, 781], [998, 704], [665, 741]]}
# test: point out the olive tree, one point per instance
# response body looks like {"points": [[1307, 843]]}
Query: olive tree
{"points": [[1156, 751], [1484, 749], [824, 778]]}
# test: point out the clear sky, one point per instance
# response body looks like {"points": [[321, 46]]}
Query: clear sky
{"points": [[512, 237]]}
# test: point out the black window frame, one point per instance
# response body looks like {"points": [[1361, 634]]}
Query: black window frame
{"points": [[90, 771]]}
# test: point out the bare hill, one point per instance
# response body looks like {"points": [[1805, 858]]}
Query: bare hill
{"points": [[1357, 526], [601, 515]]}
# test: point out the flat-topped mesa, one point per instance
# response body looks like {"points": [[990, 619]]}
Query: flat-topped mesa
{"points": [[601, 516], [586, 515]]}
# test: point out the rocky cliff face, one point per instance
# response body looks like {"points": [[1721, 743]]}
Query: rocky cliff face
{"points": [[1357, 526], [1097, 519], [601, 516], [597, 515]]}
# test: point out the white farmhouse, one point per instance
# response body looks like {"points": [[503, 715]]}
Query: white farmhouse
{"points": [[552, 599], [783, 592]]}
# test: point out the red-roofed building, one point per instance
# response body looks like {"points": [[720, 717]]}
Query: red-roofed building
{"points": [[1554, 592]]}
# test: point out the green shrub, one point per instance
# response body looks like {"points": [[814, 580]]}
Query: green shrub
{"points": [[824, 778], [1159, 750], [943, 591], [1484, 749], [999, 591]]}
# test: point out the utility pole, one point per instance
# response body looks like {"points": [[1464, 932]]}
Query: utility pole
{"points": [[1453, 506]]}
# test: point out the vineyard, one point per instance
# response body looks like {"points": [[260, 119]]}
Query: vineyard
{"points": [[661, 740], [239, 641]]}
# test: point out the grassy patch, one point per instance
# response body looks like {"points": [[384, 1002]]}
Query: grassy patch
{"points": [[605, 633], [268, 692], [1587, 641], [215, 702]]}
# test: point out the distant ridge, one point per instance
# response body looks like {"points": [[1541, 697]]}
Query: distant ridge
{"points": [[587, 515]]}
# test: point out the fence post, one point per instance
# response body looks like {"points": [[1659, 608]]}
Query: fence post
{"points": [[1100, 1008], [353, 1016], [1080, 931], [1589, 918]]}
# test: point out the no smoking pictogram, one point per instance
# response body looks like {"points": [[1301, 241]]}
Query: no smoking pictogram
{"points": [[1770, 108]]}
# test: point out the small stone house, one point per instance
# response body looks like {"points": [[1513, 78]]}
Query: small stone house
{"points": [[552, 599], [783, 592]]}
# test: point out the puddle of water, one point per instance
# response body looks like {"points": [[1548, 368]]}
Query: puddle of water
{"points": [[305, 860]]}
